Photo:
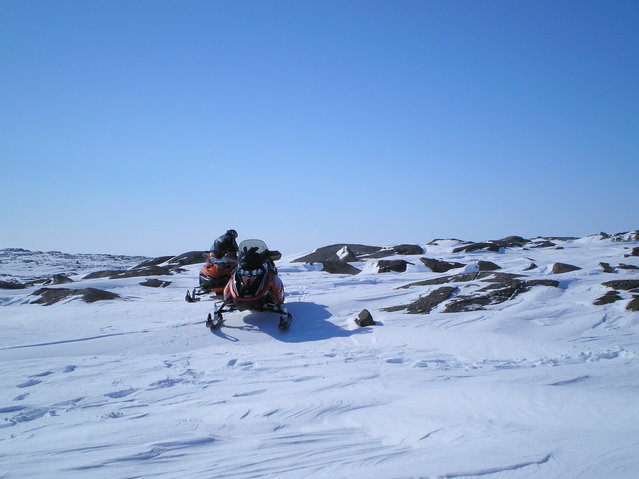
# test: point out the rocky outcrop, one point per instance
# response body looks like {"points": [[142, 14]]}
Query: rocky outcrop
{"points": [[487, 266], [633, 252], [11, 285], [192, 257], [633, 305], [59, 279], [437, 266], [425, 304], [329, 253], [339, 267], [396, 265], [496, 293], [154, 261], [494, 245], [623, 284], [134, 273], [465, 277], [500, 287], [608, 298], [49, 296], [559, 268], [488, 246]]}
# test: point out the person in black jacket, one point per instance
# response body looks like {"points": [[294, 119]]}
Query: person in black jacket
{"points": [[225, 244]]}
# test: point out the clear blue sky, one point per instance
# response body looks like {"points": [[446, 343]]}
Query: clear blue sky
{"points": [[150, 127]]}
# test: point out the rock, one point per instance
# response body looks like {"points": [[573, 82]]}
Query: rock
{"points": [[626, 236], [488, 246], [425, 304], [606, 267], [511, 241], [51, 296], [633, 305], [155, 283], [408, 249], [603, 236], [609, 297], [346, 254], [542, 244], [633, 252], [339, 267], [154, 261], [11, 285], [59, 279], [623, 284], [487, 266], [365, 318], [627, 266], [559, 268], [437, 266], [329, 253], [504, 289], [134, 273], [530, 267], [192, 257], [396, 265], [382, 253], [541, 282]]}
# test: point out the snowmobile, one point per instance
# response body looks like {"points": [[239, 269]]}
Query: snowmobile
{"points": [[254, 285], [213, 276]]}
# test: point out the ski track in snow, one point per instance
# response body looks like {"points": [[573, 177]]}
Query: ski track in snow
{"points": [[544, 386]]}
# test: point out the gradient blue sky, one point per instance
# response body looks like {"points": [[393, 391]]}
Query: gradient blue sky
{"points": [[150, 127]]}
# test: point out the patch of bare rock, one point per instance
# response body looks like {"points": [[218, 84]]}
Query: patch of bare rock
{"points": [[49, 296]]}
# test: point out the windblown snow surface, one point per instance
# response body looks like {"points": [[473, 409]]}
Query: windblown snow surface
{"points": [[543, 386]]}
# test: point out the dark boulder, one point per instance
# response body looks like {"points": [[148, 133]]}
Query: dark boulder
{"points": [[155, 283], [633, 252], [396, 265], [134, 273], [49, 296], [339, 267], [627, 266], [192, 257], [11, 285], [633, 305], [329, 253], [606, 267], [365, 318], [531, 266], [559, 268], [437, 266], [609, 297], [425, 304], [623, 284], [487, 266]]}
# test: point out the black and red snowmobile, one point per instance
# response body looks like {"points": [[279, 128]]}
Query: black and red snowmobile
{"points": [[254, 285], [214, 276]]}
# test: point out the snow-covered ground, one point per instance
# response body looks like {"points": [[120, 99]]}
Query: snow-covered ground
{"points": [[545, 385]]}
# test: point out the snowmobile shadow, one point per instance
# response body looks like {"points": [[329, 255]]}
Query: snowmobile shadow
{"points": [[310, 323]]}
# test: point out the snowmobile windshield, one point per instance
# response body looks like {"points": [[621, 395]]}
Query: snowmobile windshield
{"points": [[252, 253]]}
